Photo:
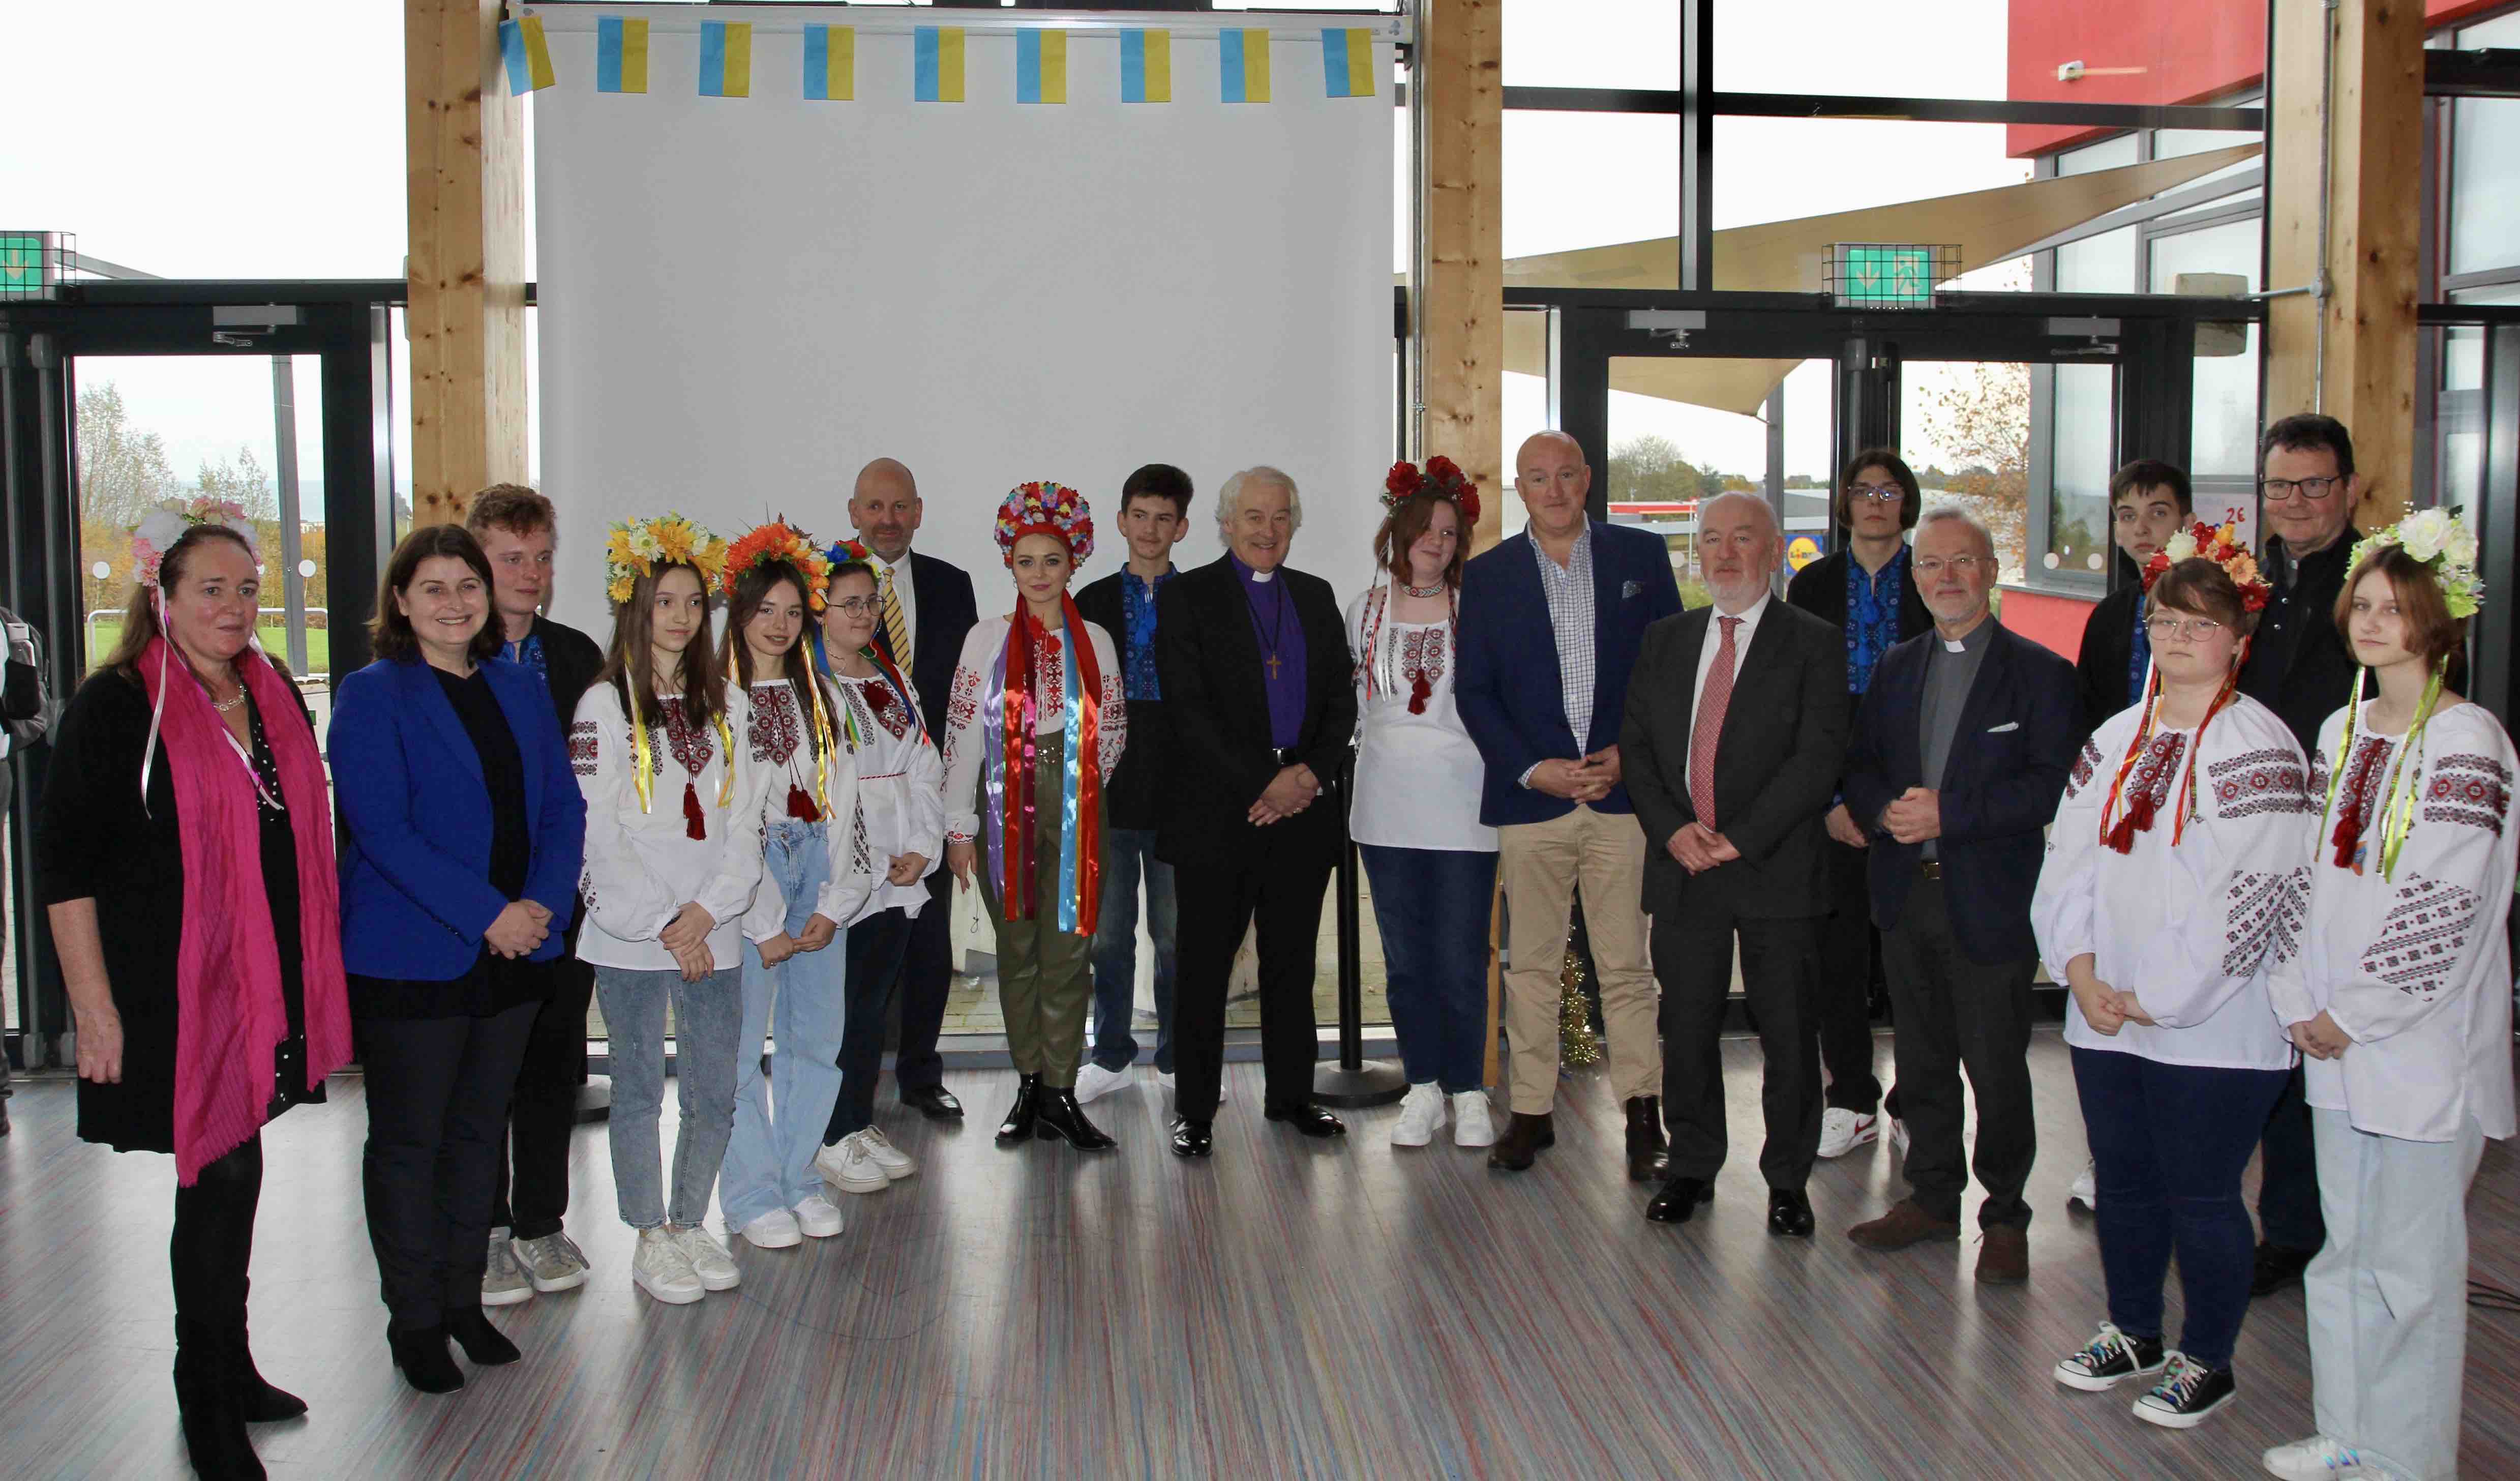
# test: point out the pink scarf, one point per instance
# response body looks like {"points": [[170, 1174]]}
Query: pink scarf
{"points": [[230, 1012]]}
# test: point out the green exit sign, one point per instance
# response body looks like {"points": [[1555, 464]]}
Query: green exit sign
{"points": [[1888, 273], [28, 265]]}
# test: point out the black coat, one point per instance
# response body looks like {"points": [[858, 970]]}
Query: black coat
{"points": [[1820, 589], [1217, 702], [1132, 798], [1777, 760], [570, 661], [2299, 665], [941, 593], [2019, 732], [2109, 645]]}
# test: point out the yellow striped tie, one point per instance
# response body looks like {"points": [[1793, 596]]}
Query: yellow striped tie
{"points": [[896, 632]]}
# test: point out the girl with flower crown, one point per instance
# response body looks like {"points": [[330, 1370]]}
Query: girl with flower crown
{"points": [[814, 878], [1034, 726], [673, 855], [1416, 811], [2166, 895], [2401, 1001]]}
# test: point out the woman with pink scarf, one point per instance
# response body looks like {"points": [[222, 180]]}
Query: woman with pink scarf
{"points": [[185, 853]]}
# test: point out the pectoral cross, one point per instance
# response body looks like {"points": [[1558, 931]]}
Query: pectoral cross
{"points": [[1272, 661]]}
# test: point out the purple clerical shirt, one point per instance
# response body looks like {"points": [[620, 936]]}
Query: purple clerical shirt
{"points": [[1279, 629]]}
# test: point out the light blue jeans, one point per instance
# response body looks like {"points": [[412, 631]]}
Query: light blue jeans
{"points": [[705, 1015], [778, 1120]]}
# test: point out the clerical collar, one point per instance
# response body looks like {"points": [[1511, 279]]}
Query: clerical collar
{"points": [[1255, 577], [1977, 636]]}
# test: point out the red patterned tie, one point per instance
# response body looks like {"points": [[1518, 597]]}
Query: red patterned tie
{"points": [[1702, 737]]}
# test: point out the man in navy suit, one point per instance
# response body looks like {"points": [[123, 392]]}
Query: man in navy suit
{"points": [[1551, 624], [926, 610], [1961, 753]]}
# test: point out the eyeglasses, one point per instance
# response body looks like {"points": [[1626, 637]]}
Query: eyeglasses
{"points": [[1963, 565], [2192, 629], [2284, 490], [1878, 493], [857, 606]]}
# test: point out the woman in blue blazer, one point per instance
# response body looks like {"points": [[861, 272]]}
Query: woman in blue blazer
{"points": [[462, 837]]}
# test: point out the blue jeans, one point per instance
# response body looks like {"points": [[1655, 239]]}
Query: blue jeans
{"points": [[1128, 852], [706, 1015], [778, 1120], [2168, 1145], [1431, 907]]}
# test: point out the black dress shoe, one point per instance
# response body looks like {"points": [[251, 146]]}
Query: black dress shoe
{"points": [[1194, 1139], [1023, 1115], [2277, 1268], [1524, 1137], [481, 1343], [1308, 1118], [1789, 1213], [934, 1102], [1649, 1151], [1060, 1116], [421, 1353], [1678, 1201]]}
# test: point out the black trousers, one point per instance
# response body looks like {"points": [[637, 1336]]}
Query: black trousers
{"points": [[210, 1254], [1692, 960], [438, 1113], [878, 947], [1954, 1013], [2288, 1213], [542, 1115], [1843, 998], [1217, 904], [926, 974]]}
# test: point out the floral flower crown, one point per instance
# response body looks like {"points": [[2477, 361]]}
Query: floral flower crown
{"points": [[156, 533], [636, 548], [844, 554], [777, 543], [1442, 480], [1046, 509], [2440, 540], [2222, 547]]}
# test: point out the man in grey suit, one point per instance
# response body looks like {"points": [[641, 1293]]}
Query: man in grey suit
{"points": [[1735, 729]]}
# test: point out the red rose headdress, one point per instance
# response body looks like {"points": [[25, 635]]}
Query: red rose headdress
{"points": [[1442, 480], [2223, 547]]}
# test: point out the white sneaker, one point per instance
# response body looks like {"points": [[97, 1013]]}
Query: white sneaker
{"points": [[553, 1262], [1842, 1131], [1421, 1115], [1473, 1120], [2317, 1459], [845, 1165], [709, 1259], [503, 1280], [1094, 1082], [1899, 1135], [775, 1229], [660, 1268], [895, 1162], [816, 1218], [2086, 1189]]}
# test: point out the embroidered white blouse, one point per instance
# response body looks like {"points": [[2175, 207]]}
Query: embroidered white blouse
{"points": [[642, 864], [772, 736], [1418, 775], [901, 789], [967, 730], [2190, 930], [2415, 969]]}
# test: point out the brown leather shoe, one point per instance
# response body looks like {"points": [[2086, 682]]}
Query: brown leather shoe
{"points": [[1524, 1137], [2003, 1255], [1906, 1224]]}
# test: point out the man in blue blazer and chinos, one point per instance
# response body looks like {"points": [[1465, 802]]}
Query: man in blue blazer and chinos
{"points": [[1550, 623]]}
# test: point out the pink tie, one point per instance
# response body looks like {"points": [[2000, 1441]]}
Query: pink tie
{"points": [[1710, 725]]}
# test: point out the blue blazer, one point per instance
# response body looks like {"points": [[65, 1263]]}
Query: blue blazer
{"points": [[416, 891], [2019, 730], [1506, 688]]}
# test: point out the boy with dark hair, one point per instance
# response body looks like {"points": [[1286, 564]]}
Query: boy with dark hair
{"points": [[2150, 501]]}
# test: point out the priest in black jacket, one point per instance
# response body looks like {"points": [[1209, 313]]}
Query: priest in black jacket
{"points": [[1260, 710], [1735, 729]]}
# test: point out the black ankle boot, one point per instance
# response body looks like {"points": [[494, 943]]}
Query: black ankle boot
{"points": [[1649, 1151], [481, 1343], [206, 1403], [1020, 1116], [1060, 1116], [421, 1353]]}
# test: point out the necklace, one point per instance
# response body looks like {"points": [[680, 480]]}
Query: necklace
{"points": [[1276, 626], [1423, 593], [225, 706]]}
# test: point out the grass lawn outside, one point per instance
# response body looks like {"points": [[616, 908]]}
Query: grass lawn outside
{"points": [[103, 633]]}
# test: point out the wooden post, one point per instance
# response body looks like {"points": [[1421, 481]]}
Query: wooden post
{"points": [[1459, 63], [2373, 148], [465, 138]]}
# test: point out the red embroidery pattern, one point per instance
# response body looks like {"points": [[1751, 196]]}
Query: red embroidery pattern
{"points": [[1423, 655], [871, 701], [2262, 912], [692, 744], [1111, 726], [2258, 782], [2472, 789], [581, 748], [2083, 766], [775, 729], [961, 704], [2157, 770], [2421, 940], [2358, 799]]}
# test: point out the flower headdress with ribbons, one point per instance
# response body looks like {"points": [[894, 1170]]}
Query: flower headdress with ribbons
{"points": [[2443, 543], [783, 545], [843, 555], [1046, 509], [637, 548], [151, 538], [1442, 480], [2205, 542], [1008, 782]]}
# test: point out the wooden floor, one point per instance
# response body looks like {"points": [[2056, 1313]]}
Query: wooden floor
{"points": [[1289, 1309]]}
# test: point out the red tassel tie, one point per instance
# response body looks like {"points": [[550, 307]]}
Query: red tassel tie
{"points": [[800, 805], [695, 822], [2348, 836], [1418, 689]]}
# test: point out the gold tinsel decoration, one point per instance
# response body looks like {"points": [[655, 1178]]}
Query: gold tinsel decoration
{"points": [[1577, 1044]]}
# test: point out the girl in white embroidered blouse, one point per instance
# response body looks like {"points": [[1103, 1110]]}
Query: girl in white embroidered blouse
{"points": [[2401, 1002]]}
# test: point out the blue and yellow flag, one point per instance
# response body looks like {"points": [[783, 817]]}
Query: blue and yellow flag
{"points": [[1347, 61], [529, 57], [1145, 67], [725, 59], [1041, 66], [1245, 61], [830, 63], [938, 50], [620, 55]]}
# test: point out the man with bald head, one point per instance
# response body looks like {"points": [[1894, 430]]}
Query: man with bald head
{"points": [[1549, 626]]}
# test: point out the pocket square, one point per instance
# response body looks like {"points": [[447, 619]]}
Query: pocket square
{"points": [[1629, 589], [1998, 730]]}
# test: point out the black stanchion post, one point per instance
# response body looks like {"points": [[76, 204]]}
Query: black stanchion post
{"points": [[1353, 1081]]}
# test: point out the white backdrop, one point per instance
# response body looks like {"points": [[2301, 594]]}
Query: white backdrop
{"points": [[744, 299]]}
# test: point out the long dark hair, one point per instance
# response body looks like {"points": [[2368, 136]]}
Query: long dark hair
{"points": [[631, 660], [389, 631], [140, 626], [752, 590]]}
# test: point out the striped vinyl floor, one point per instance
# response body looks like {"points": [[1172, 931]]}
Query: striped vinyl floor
{"points": [[1289, 1310]]}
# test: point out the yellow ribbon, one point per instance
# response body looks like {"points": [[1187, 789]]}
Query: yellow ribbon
{"points": [[644, 758]]}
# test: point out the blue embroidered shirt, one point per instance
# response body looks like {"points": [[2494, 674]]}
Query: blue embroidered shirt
{"points": [[2139, 657], [1872, 615], [1137, 643], [529, 653]]}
